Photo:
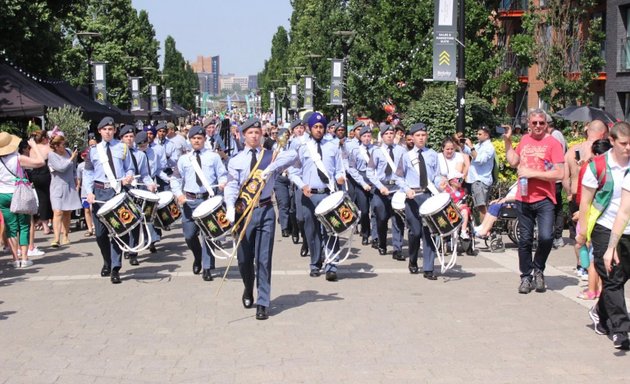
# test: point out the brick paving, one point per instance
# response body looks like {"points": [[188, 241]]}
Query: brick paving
{"points": [[60, 322]]}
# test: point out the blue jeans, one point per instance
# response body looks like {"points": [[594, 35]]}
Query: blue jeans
{"points": [[530, 214]]}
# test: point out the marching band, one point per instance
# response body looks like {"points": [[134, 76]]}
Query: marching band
{"points": [[331, 188]]}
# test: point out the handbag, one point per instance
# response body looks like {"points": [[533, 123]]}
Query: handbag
{"points": [[24, 200]]}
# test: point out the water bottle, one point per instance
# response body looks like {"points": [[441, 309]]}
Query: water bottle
{"points": [[522, 186], [585, 259]]}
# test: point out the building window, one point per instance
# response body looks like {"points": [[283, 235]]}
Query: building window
{"points": [[624, 98]]}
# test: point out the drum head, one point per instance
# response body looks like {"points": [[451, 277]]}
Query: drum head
{"points": [[111, 204], [145, 195], [398, 200], [435, 203], [207, 206], [329, 203], [165, 198]]}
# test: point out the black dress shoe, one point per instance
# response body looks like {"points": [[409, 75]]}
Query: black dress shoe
{"points": [[261, 312], [125, 255], [365, 241], [314, 273], [285, 233], [397, 255], [413, 268], [196, 268], [304, 250], [471, 252], [429, 275], [382, 251], [105, 271], [331, 276], [152, 248], [247, 299], [133, 260], [115, 278], [295, 238], [207, 275]]}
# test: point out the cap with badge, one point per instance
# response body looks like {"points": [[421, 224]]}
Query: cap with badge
{"points": [[127, 129], [317, 118], [105, 121], [365, 129], [386, 127], [141, 138], [417, 127], [161, 125], [358, 124], [170, 125], [295, 123], [196, 130], [251, 123], [207, 121]]}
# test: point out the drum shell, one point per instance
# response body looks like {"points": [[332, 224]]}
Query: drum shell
{"points": [[340, 218], [400, 211], [214, 225], [167, 214], [122, 218], [445, 220], [147, 207]]}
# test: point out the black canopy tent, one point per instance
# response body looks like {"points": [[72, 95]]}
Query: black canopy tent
{"points": [[92, 110], [145, 113]]}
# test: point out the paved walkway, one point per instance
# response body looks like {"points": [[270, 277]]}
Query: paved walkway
{"points": [[60, 322]]}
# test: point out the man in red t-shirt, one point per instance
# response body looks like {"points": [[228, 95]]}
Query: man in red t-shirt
{"points": [[539, 159]]}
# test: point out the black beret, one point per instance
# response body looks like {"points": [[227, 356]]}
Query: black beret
{"points": [[295, 123], [251, 123], [196, 130], [141, 138], [105, 121], [127, 129], [417, 127], [161, 125]]}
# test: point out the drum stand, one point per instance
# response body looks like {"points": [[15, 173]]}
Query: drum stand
{"points": [[141, 241], [441, 247], [330, 256]]}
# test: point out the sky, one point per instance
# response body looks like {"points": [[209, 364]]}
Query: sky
{"points": [[240, 31]]}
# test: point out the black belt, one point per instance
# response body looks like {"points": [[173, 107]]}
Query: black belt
{"points": [[320, 190], [264, 202], [190, 195], [101, 185], [419, 190], [389, 182]]}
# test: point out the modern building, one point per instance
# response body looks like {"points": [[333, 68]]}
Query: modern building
{"points": [[208, 69], [252, 82], [231, 82], [618, 58]]}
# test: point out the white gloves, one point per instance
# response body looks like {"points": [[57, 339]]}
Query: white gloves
{"points": [[230, 214], [265, 173]]}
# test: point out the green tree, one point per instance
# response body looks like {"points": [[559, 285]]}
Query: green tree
{"points": [[70, 120], [270, 79], [179, 75]]}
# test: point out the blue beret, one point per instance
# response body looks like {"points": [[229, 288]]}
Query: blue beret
{"points": [[127, 129], [207, 121], [105, 121], [159, 126], [196, 130], [385, 128], [251, 123], [141, 138], [358, 124], [295, 123], [417, 127], [316, 118], [365, 130]]}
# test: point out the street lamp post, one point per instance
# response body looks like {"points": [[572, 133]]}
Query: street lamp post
{"points": [[85, 39], [346, 40]]}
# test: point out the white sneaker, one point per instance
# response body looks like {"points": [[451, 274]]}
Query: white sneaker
{"points": [[464, 235], [16, 263], [26, 263], [35, 252]]}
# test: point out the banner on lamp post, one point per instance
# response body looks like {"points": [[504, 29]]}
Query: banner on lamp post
{"points": [[308, 93], [100, 84], [445, 40], [168, 101], [336, 82], [155, 108], [294, 97], [135, 94]]}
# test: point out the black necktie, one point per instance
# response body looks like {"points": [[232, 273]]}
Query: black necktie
{"points": [[135, 162], [252, 164], [388, 169], [212, 142], [148, 164], [110, 159], [423, 170], [199, 183], [322, 175]]}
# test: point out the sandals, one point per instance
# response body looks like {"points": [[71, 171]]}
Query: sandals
{"points": [[89, 233], [588, 295], [54, 244]]}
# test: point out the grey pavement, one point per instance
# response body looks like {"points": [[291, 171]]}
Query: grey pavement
{"points": [[60, 322]]}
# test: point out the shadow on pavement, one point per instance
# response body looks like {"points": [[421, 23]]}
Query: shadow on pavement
{"points": [[284, 302], [455, 273], [356, 271], [557, 283]]}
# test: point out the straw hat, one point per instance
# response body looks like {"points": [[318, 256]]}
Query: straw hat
{"points": [[8, 143]]}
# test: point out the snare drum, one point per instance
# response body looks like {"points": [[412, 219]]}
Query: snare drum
{"points": [[398, 203], [337, 213], [168, 211], [119, 215], [210, 218], [146, 201], [441, 215]]}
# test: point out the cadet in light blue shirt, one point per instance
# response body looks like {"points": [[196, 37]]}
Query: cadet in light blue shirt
{"points": [[99, 189], [256, 247], [358, 163], [191, 192]]}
